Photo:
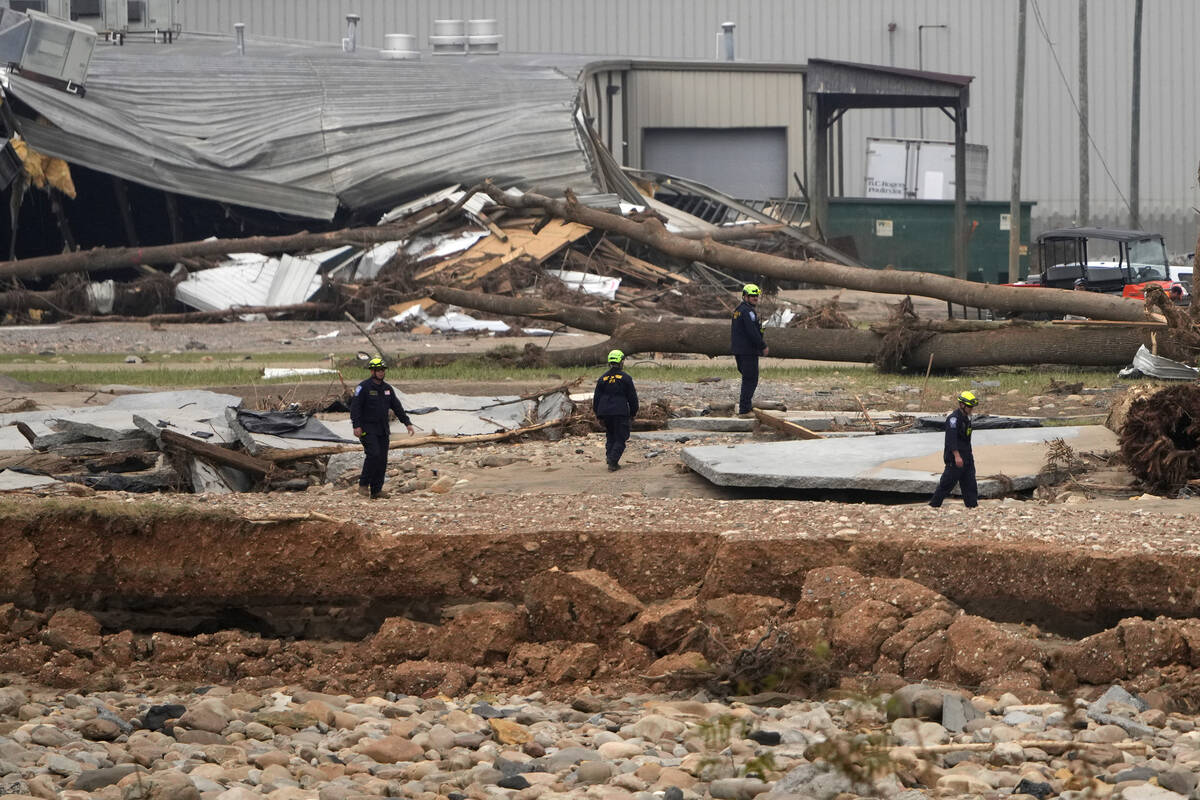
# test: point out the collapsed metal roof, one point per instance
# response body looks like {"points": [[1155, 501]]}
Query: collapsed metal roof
{"points": [[301, 128]]}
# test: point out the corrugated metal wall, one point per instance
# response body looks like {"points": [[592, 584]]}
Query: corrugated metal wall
{"points": [[979, 39], [663, 98]]}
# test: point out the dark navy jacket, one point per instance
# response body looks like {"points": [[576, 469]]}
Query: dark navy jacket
{"points": [[958, 436], [746, 332], [371, 404], [615, 395]]}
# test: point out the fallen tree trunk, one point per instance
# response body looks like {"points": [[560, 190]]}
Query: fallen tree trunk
{"points": [[924, 284], [1004, 343], [102, 258]]}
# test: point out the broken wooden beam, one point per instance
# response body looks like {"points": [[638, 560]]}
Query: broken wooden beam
{"points": [[218, 455], [789, 429]]}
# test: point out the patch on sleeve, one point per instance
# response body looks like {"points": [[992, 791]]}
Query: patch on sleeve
{"points": [[357, 389], [752, 315], [952, 422]]}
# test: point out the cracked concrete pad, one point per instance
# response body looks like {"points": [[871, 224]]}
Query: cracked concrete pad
{"points": [[460, 415], [11, 480], [908, 463]]}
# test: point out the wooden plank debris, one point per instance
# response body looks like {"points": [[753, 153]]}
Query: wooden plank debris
{"points": [[790, 429], [490, 254]]}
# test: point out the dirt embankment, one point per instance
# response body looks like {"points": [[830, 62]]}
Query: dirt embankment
{"points": [[445, 599]]}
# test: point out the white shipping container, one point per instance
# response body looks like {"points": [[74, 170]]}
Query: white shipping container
{"points": [[916, 169]]}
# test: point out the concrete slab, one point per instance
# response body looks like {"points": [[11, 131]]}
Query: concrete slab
{"points": [[461, 415], [11, 481], [908, 463]]}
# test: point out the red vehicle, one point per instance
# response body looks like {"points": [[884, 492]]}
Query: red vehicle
{"points": [[1109, 260]]}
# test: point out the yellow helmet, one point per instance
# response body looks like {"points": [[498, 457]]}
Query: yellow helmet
{"points": [[615, 356], [968, 399], [751, 289], [376, 363]]}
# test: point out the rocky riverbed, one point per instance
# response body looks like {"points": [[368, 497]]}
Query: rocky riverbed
{"points": [[216, 743]]}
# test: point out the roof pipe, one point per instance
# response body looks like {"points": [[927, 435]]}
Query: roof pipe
{"points": [[239, 32], [350, 43]]}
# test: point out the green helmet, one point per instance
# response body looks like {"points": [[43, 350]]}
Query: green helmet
{"points": [[615, 356], [751, 289], [968, 399], [376, 363]]}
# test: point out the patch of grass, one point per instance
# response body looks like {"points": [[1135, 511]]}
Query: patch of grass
{"points": [[183, 378], [188, 357]]}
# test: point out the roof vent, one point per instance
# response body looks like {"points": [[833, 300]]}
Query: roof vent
{"points": [[482, 38], [239, 30], [725, 41], [400, 46], [449, 37], [350, 43]]}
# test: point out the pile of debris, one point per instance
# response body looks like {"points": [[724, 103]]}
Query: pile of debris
{"points": [[205, 442], [454, 237]]}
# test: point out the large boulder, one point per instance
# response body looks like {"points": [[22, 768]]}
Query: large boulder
{"points": [[663, 626], [978, 650], [400, 639], [857, 634], [480, 633], [428, 678], [583, 606]]}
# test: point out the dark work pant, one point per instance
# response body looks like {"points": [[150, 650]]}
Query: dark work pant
{"points": [[964, 477], [748, 366], [616, 431], [374, 470]]}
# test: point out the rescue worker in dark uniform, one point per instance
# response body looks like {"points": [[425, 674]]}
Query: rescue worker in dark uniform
{"points": [[373, 403], [615, 403], [747, 343], [957, 456]]}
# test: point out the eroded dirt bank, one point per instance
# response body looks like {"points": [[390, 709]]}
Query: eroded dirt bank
{"points": [[494, 591]]}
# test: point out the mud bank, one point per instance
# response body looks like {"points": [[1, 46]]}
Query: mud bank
{"points": [[98, 591], [185, 569]]}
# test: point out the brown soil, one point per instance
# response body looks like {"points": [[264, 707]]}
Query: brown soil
{"points": [[328, 590]]}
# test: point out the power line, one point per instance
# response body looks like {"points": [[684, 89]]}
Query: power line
{"points": [[1037, 13]]}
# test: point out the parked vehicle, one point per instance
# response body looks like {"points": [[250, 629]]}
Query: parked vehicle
{"points": [[1109, 260]]}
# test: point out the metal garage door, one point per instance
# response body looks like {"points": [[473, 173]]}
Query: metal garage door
{"points": [[747, 163]]}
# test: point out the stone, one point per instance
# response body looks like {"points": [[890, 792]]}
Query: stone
{"points": [[158, 786], [99, 729], [816, 781], [157, 715], [390, 749], [736, 788], [206, 717], [591, 772], [93, 779], [957, 711], [286, 718], [513, 782], [1148, 791], [11, 699], [585, 605], [576, 662], [48, 736], [507, 731], [1036, 789], [916, 700]]}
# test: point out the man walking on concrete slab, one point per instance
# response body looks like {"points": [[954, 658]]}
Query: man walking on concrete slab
{"points": [[747, 344], [957, 455], [615, 404]]}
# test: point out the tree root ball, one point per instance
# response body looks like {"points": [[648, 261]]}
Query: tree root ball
{"points": [[1159, 432]]}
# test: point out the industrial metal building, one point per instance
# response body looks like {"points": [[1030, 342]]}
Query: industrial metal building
{"points": [[686, 114]]}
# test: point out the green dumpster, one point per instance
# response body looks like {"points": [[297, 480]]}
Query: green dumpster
{"points": [[918, 235]]}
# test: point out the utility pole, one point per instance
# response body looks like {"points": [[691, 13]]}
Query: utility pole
{"points": [[1014, 203], [1084, 178], [1135, 122]]}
